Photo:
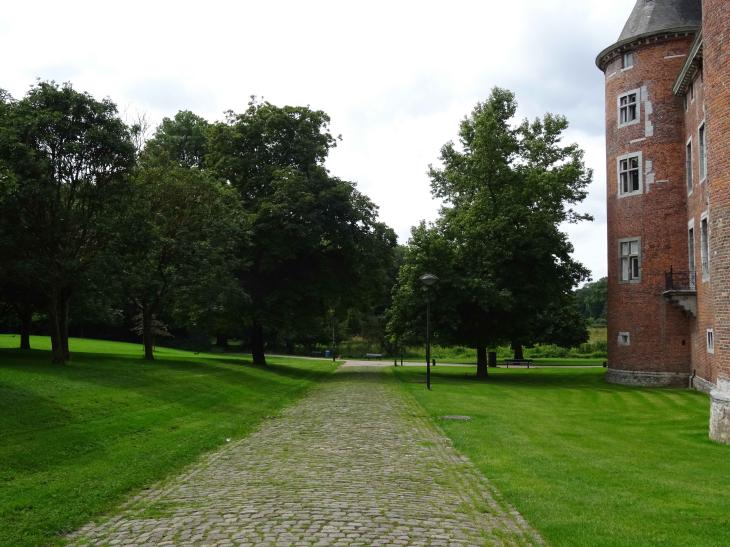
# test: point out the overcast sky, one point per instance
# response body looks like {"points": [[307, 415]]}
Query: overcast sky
{"points": [[396, 77]]}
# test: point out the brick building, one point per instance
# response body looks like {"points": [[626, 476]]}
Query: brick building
{"points": [[668, 200]]}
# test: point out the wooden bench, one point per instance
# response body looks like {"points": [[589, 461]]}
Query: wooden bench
{"points": [[518, 362], [373, 356]]}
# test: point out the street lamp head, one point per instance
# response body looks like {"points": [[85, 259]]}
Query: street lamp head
{"points": [[428, 279]]}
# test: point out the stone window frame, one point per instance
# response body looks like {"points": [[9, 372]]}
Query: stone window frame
{"points": [[624, 339], [691, 251], [710, 340], [619, 107], [689, 166], [702, 150], [619, 159], [705, 246], [621, 258]]}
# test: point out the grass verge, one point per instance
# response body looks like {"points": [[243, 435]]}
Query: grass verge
{"points": [[77, 439], [588, 463]]}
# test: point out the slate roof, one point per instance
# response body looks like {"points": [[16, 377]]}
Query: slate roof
{"points": [[654, 17], [650, 16]]}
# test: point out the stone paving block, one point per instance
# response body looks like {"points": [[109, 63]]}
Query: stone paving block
{"points": [[353, 463]]}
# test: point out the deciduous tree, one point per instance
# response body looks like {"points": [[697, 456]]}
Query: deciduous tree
{"points": [[65, 159], [507, 190], [315, 239]]}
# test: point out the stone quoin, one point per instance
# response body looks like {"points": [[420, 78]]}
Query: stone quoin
{"points": [[668, 200]]}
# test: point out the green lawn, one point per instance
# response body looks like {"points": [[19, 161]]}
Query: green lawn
{"points": [[76, 439], [549, 361], [588, 463]]}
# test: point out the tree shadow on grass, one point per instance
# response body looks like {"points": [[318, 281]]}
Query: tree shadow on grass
{"points": [[152, 379]]}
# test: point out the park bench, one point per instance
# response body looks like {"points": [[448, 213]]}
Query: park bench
{"points": [[373, 356], [518, 362]]}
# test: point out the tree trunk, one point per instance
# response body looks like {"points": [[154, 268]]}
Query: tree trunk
{"points": [[257, 344], [25, 315], [58, 355], [147, 334], [63, 320], [517, 348], [482, 364], [221, 340]]}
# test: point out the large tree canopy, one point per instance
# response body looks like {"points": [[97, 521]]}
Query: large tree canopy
{"points": [[65, 159], [181, 141], [315, 243], [175, 244], [507, 189]]}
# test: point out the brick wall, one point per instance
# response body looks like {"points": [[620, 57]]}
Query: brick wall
{"points": [[660, 333], [697, 204], [716, 18]]}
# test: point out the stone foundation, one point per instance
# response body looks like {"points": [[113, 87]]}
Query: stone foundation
{"points": [[647, 379], [720, 412], [700, 384]]}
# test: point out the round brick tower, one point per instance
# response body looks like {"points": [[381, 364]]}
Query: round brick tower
{"points": [[648, 334], [716, 59]]}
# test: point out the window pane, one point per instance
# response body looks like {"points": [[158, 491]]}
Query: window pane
{"points": [[703, 153], [634, 247], [624, 269], [634, 181], [688, 167], [634, 268], [634, 162], [624, 249], [704, 247]]}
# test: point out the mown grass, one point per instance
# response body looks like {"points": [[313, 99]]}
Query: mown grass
{"points": [[589, 463], [76, 439]]}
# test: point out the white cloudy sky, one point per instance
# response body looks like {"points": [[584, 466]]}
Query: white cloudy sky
{"points": [[396, 77]]}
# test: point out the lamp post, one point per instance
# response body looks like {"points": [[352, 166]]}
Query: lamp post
{"points": [[428, 280], [333, 337]]}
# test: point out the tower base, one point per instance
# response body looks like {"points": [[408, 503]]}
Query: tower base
{"points": [[647, 379], [720, 412]]}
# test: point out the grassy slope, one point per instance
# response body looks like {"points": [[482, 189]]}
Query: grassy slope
{"points": [[74, 440], [589, 463]]}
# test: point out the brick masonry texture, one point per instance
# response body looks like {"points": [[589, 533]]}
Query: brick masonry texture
{"points": [[354, 463], [660, 334], [697, 204], [716, 17], [664, 340]]}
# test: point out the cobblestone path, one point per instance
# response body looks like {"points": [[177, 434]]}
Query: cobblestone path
{"points": [[353, 463]]}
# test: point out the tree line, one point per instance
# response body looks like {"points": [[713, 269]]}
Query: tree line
{"points": [[236, 229], [231, 228]]}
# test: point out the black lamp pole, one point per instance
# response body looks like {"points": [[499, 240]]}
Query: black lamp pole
{"points": [[428, 281], [428, 341]]}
